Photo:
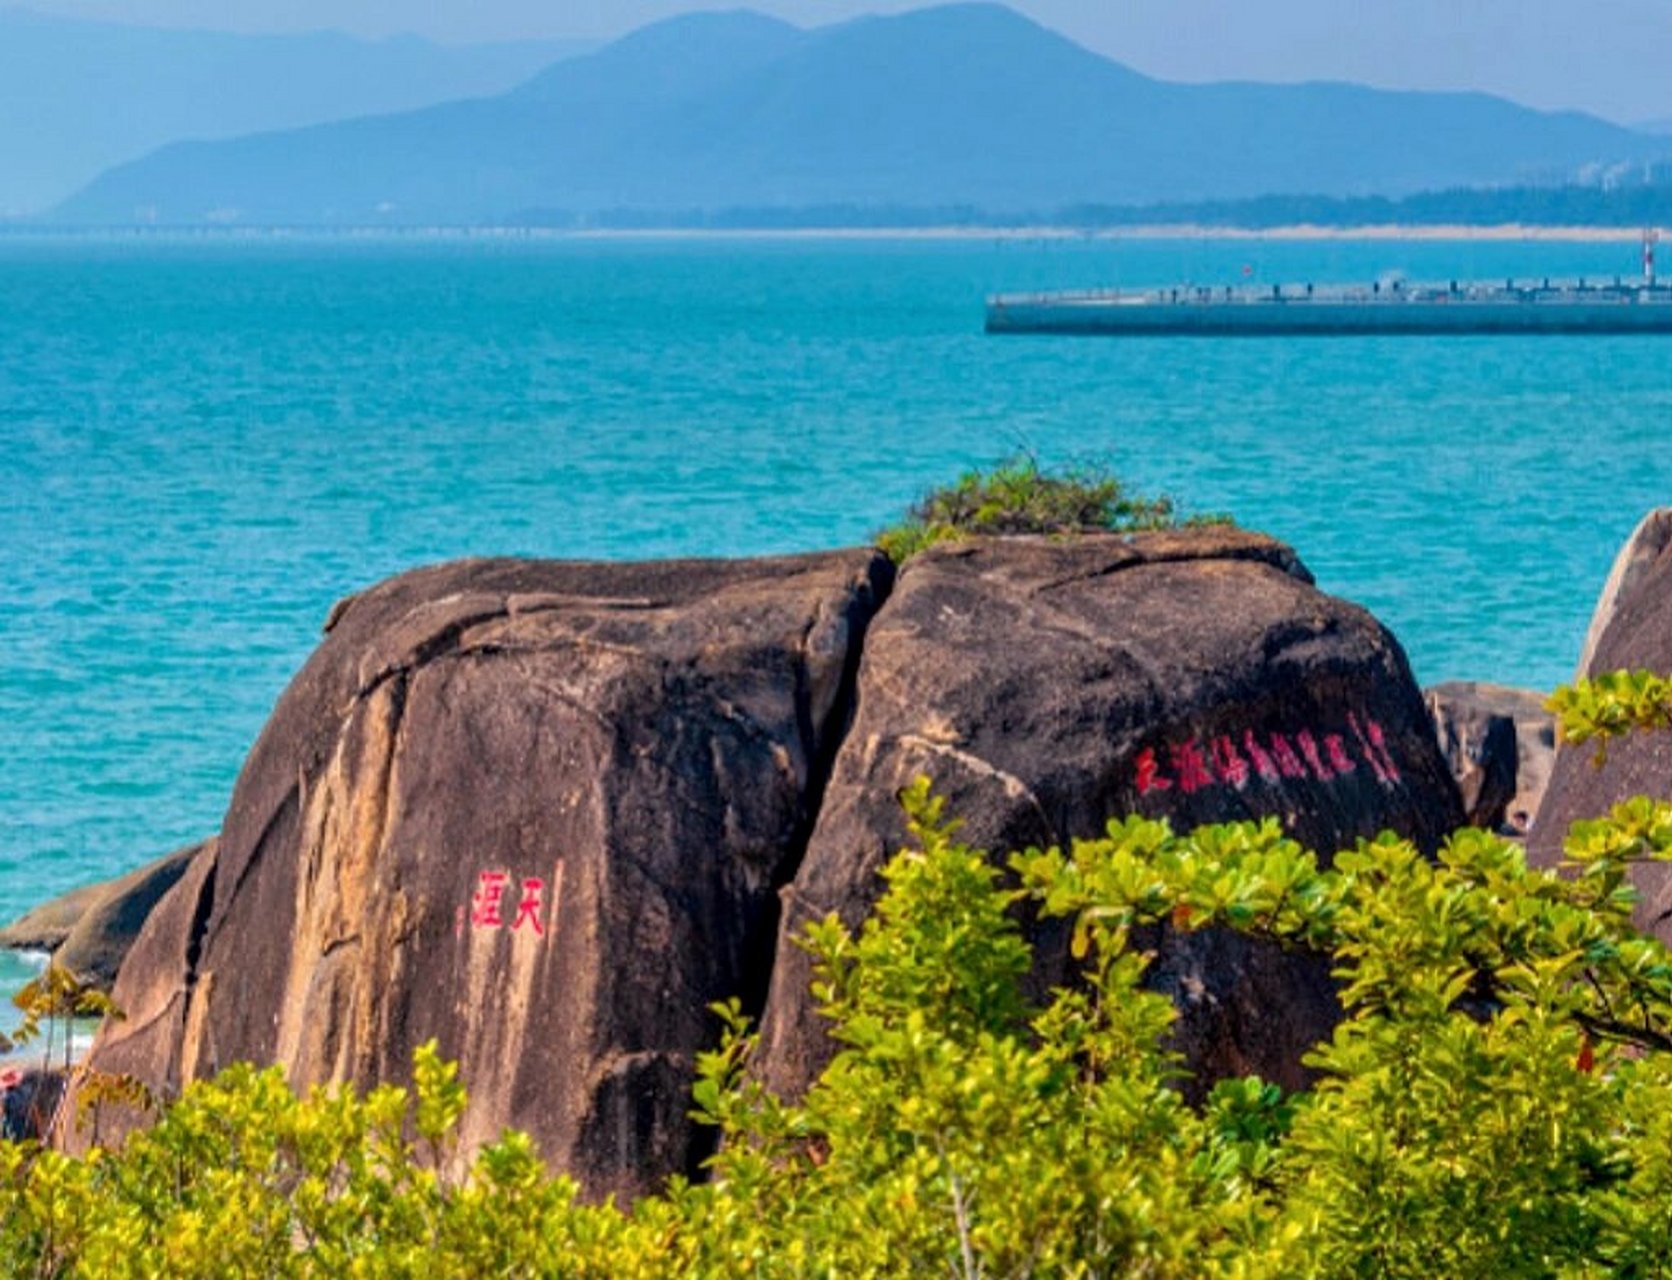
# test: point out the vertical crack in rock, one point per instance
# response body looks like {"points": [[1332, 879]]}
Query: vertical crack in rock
{"points": [[341, 844], [760, 951], [199, 927], [821, 765], [196, 933]]}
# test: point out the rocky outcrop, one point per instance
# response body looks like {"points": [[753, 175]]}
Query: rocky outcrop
{"points": [[1632, 630], [544, 813], [1046, 685], [154, 990], [45, 927], [89, 930], [1500, 744], [539, 812], [1634, 563]]}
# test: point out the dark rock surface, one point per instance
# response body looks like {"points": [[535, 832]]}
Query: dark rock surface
{"points": [[95, 947], [1500, 744], [45, 927], [29, 1100], [154, 991], [545, 813], [1632, 630], [1045, 686], [538, 811], [90, 929]]}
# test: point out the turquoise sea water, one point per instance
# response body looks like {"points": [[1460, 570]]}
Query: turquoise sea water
{"points": [[207, 443]]}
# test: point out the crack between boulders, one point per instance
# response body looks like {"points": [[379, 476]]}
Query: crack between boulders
{"points": [[760, 958], [821, 766], [197, 930]]}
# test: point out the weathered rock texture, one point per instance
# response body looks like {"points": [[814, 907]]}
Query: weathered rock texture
{"points": [[1634, 564], [538, 811], [1632, 630], [543, 812], [154, 990], [102, 937], [1500, 744], [1045, 686], [89, 930]]}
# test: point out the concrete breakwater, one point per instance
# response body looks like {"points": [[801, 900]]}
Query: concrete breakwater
{"points": [[1576, 307]]}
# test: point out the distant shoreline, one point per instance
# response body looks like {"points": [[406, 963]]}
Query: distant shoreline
{"points": [[1159, 231]]}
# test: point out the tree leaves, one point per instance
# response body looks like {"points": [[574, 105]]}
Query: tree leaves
{"points": [[1496, 1102]]}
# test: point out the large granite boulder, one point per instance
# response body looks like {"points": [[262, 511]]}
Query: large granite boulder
{"points": [[546, 813], [89, 930], [1500, 743], [1632, 630], [538, 811], [1045, 686]]}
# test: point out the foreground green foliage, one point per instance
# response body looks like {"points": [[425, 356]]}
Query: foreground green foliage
{"points": [[1017, 497], [51, 1004], [1612, 705], [1498, 1101]]}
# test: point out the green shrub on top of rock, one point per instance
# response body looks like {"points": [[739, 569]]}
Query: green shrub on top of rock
{"points": [[1019, 496]]}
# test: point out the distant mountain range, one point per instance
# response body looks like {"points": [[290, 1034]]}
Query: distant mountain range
{"points": [[964, 105], [77, 97]]}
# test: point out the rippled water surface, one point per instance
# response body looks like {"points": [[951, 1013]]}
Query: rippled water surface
{"points": [[206, 444]]}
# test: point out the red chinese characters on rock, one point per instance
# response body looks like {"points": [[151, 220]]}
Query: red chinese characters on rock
{"points": [[488, 903], [1272, 757]]}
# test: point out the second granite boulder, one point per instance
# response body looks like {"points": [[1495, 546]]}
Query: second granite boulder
{"points": [[1045, 686]]}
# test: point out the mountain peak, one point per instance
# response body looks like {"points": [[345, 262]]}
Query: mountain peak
{"points": [[681, 54], [962, 104]]}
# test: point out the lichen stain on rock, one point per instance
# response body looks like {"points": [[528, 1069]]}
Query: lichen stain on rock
{"points": [[323, 1011]]}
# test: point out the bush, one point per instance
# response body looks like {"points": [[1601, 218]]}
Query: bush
{"points": [[1018, 497], [1497, 1101]]}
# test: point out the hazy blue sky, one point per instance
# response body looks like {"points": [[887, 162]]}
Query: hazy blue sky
{"points": [[1607, 56]]}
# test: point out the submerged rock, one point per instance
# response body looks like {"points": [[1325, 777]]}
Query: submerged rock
{"points": [[537, 811], [1632, 630], [1045, 686], [1500, 744]]}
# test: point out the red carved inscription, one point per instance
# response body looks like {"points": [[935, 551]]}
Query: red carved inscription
{"points": [[1273, 757]]}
